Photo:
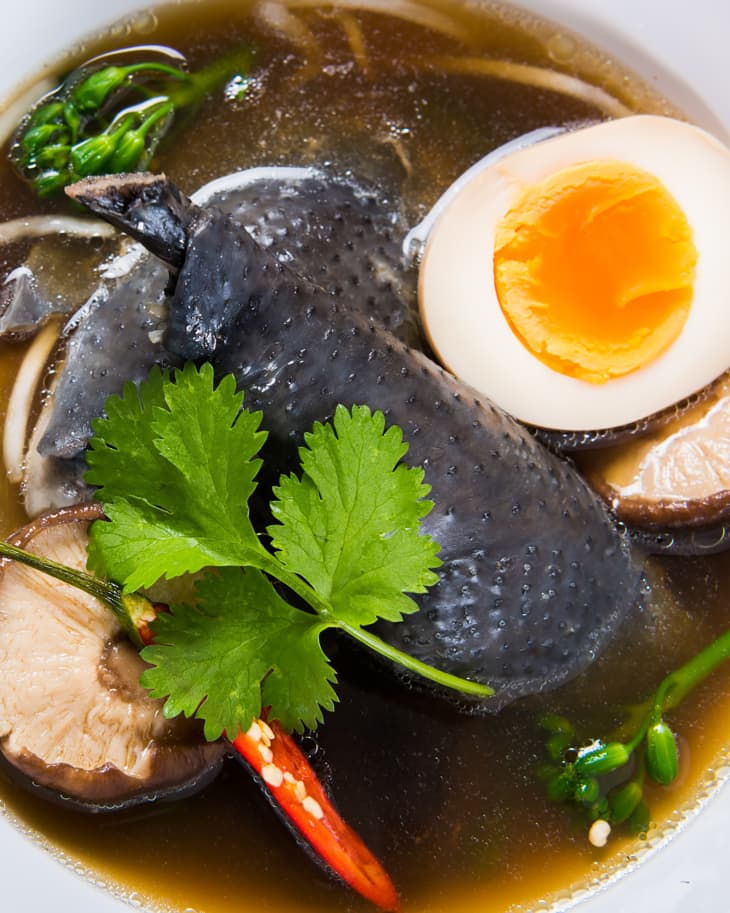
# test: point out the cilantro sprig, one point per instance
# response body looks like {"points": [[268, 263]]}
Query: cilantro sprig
{"points": [[240, 648], [175, 462]]}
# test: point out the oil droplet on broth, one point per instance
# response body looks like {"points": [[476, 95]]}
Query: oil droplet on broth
{"points": [[144, 23], [561, 48]]}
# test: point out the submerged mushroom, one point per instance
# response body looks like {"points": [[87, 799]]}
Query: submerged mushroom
{"points": [[73, 716]]}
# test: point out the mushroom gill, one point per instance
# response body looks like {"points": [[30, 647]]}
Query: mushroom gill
{"points": [[676, 477], [73, 717]]}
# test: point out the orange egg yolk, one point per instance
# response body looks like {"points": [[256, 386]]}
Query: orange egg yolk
{"points": [[594, 269]]}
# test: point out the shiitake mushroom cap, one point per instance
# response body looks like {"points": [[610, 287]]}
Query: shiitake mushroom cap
{"points": [[672, 485], [75, 724]]}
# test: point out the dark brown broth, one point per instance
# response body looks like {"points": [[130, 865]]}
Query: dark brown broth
{"points": [[451, 804]]}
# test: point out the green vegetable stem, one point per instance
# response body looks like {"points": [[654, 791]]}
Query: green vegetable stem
{"points": [[586, 775], [111, 119], [127, 607]]}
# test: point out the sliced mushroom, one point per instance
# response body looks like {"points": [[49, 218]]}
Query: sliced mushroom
{"points": [[73, 716], [677, 477]]}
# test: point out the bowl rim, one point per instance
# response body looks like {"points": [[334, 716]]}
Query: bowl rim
{"points": [[651, 36]]}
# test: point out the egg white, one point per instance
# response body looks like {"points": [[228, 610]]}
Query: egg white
{"points": [[465, 323]]}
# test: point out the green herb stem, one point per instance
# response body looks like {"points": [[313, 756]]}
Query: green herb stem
{"points": [[108, 592], [161, 68], [453, 682], [271, 565], [678, 684], [210, 78], [275, 569]]}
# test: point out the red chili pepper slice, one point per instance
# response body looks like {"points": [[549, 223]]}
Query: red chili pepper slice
{"points": [[288, 777]]}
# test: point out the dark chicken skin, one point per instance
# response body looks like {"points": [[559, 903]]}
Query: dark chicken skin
{"points": [[535, 579]]}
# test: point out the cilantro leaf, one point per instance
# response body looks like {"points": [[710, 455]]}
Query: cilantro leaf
{"points": [[350, 524], [174, 462], [240, 649], [123, 448]]}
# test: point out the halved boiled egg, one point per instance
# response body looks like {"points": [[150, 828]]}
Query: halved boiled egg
{"points": [[583, 282]]}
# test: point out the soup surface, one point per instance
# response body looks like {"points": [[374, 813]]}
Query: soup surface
{"points": [[451, 804]]}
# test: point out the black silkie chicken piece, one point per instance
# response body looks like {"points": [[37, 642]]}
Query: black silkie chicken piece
{"points": [[536, 578], [342, 233]]}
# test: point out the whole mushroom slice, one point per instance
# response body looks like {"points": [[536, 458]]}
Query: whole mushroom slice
{"points": [[74, 720]]}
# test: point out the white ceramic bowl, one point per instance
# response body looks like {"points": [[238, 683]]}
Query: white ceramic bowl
{"points": [[679, 47]]}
